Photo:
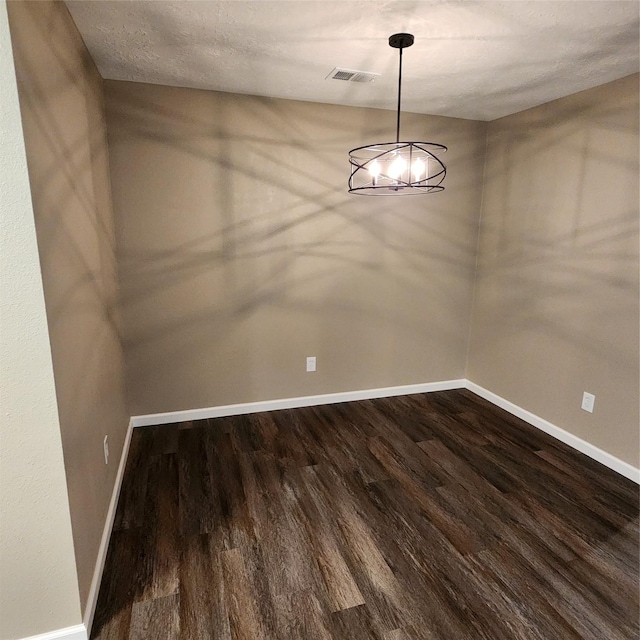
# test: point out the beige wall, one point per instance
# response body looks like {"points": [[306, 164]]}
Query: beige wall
{"points": [[241, 252], [38, 585], [62, 113], [556, 301]]}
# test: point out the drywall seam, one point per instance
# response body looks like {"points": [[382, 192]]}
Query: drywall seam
{"points": [[92, 598], [621, 467]]}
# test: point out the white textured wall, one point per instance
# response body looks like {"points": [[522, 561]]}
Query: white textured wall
{"points": [[38, 584]]}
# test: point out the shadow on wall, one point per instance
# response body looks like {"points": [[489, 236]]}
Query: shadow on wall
{"points": [[559, 254], [62, 176], [62, 113], [239, 245]]}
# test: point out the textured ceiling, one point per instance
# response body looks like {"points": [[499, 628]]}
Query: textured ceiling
{"points": [[478, 60]]}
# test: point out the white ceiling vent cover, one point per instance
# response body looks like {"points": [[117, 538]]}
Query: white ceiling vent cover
{"points": [[351, 75]]}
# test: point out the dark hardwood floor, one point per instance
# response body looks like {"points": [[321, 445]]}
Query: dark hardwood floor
{"points": [[434, 516]]}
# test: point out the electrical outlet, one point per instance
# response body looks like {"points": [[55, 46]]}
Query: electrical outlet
{"points": [[588, 400], [105, 446], [311, 363]]}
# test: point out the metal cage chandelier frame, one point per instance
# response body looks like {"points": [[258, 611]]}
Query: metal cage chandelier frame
{"points": [[397, 168]]}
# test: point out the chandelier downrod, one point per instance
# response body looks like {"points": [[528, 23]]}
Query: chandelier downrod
{"points": [[400, 41], [399, 98]]}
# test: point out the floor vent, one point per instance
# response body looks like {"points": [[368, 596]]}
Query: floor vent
{"points": [[350, 75]]}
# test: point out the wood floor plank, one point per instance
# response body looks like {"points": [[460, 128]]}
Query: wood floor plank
{"points": [[203, 608], [196, 506], [244, 618], [164, 440], [518, 601], [115, 626], [342, 591], [352, 442], [463, 538], [453, 468], [356, 623], [309, 618], [431, 516], [157, 619], [406, 633], [383, 595], [287, 443], [431, 565], [229, 509], [159, 535], [131, 506], [118, 592], [401, 413]]}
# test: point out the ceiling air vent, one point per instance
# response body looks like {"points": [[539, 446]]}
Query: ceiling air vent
{"points": [[351, 75]]}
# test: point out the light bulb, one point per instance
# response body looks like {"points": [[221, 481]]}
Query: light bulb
{"points": [[374, 172], [397, 167], [417, 168]]}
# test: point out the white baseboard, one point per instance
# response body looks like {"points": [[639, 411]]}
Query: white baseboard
{"points": [[621, 467], [583, 446], [77, 632], [92, 599], [292, 403]]}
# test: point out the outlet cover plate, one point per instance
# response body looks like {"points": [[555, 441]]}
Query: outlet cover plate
{"points": [[311, 363], [588, 400]]}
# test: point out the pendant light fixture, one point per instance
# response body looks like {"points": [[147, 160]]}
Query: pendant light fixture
{"points": [[397, 168]]}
